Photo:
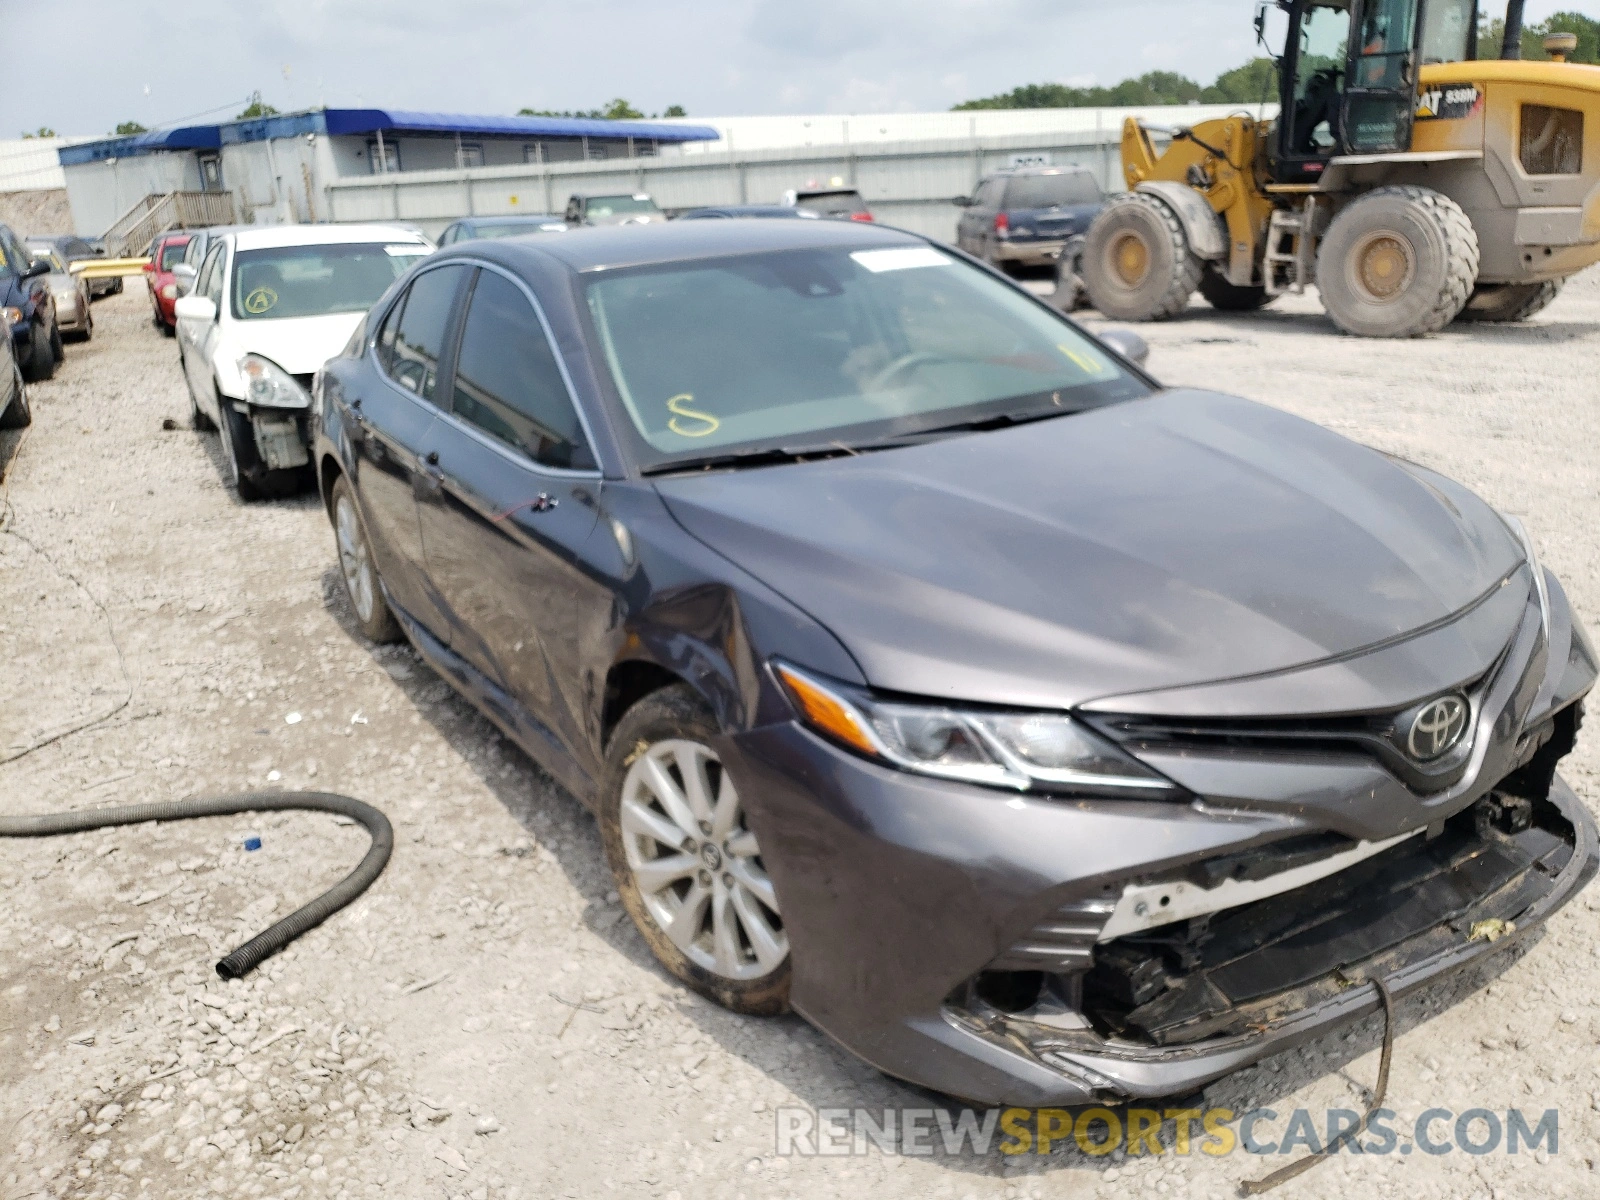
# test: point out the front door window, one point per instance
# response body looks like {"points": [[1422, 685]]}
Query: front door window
{"points": [[1318, 82]]}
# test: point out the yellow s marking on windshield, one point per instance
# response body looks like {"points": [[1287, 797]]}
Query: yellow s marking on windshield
{"points": [[1084, 360], [679, 407], [260, 301]]}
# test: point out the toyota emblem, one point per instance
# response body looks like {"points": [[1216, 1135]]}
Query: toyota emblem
{"points": [[1437, 727]]}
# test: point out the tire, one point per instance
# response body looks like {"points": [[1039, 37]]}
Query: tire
{"points": [[1230, 297], [58, 349], [197, 418], [1399, 262], [168, 330], [17, 414], [357, 567], [1137, 265], [722, 889], [1508, 302], [1070, 295], [244, 476], [42, 358]]}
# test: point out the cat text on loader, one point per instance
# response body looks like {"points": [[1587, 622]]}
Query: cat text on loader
{"points": [[1413, 185]]}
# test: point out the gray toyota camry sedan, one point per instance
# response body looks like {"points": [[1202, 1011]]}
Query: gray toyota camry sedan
{"points": [[1041, 733]]}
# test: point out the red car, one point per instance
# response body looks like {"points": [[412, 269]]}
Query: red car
{"points": [[166, 252]]}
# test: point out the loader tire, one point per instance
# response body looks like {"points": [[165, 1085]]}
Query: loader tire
{"points": [[1137, 265], [1230, 297], [1510, 301], [1399, 262]]}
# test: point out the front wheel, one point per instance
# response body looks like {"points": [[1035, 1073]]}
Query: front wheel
{"points": [[688, 868], [41, 357], [1398, 262], [58, 349], [1137, 265]]}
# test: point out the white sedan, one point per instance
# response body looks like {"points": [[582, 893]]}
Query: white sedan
{"points": [[269, 307]]}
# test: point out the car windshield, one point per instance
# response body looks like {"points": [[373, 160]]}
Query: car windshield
{"points": [[313, 281], [1048, 191], [517, 228], [617, 206], [821, 347], [172, 254], [832, 204], [48, 253]]}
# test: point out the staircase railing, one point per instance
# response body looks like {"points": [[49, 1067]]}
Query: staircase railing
{"points": [[156, 214]]}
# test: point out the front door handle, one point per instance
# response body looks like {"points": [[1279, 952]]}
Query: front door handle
{"points": [[543, 502]]}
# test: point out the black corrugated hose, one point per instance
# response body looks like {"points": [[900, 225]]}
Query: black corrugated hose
{"points": [[250, 955]]}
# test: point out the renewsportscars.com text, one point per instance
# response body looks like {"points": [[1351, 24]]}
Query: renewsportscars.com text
{"points": [[842, 1132]]}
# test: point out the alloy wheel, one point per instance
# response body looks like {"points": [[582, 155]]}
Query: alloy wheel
{"points": [[354, 561], [696, 863]]}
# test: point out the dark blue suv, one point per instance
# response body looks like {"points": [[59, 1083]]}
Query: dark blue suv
{"points": [[1024, 216], [29, 309]]}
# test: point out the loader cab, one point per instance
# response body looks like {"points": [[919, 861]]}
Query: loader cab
{"points": [[1348, 75]]}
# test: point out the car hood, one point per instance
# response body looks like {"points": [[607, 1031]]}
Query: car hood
{"points": [[1183, 538], [300, 345]]}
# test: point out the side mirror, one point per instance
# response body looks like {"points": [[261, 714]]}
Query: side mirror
{"points": [[1128, 344], [149, 268], [961, 201], [183, 274], [37, 267], [195, 308]]}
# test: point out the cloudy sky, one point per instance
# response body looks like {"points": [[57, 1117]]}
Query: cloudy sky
{"points": [[177, 58]]}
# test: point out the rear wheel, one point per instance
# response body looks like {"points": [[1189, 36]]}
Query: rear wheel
{"points": [[1510, 301], [1137, 265], [357, 568], [1398, 262], [1230, 297], [17, 414], [687, 866]]}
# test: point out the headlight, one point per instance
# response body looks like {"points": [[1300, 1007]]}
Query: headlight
{"points": [[169, 291], [1020, 750], [269, 385], [1531, 552]]}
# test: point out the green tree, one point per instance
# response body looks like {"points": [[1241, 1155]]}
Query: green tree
{"points": [[675, 110], [256, 108], [1252, 83], [1153, 87], [129, 128], [620, 110], [1492, 33], [44, 131]]}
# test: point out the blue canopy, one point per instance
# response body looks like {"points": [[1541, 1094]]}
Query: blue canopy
{"points": [[370, 120], [190, 137]]}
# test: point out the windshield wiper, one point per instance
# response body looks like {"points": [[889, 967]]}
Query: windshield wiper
{"points": [[998, 421], [764, 457]]}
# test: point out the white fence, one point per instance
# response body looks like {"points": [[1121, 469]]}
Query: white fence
{"points": [[906, 183]]}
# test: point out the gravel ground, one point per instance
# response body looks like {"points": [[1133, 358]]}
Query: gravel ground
{"points": [[484, 1022]]}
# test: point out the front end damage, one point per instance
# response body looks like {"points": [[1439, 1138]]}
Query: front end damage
{"points": [[1163, 979]]}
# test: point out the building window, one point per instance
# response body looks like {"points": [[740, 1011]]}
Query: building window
{"points": [[647, 149], [385, 158], [598, 153], [469, 154], [1552, 140], [533, 152]]}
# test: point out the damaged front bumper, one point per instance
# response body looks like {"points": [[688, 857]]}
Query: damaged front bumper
{"points": [[990, 946]]}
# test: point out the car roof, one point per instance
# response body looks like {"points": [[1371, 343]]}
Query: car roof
{"points": [[747, 210], [613, 246], [262, 238], [512, 219], [1015, 172]]}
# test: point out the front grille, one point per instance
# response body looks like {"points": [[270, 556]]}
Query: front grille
{"points": [[1063, 941]]}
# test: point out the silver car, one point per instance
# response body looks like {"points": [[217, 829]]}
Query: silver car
{"points": [[70, 291]]}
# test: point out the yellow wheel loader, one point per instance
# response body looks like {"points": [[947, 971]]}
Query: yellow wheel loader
{"points": [[1411, 184]]}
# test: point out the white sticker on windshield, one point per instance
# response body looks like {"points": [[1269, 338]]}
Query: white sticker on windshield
{"points": [[405, 251], [901, 258]]}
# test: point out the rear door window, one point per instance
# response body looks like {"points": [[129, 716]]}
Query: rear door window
{"points": [[507, 382], [419, 335], [1053, 191]]}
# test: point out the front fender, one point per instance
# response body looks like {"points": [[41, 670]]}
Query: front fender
{"points": [[1201, 225]]}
